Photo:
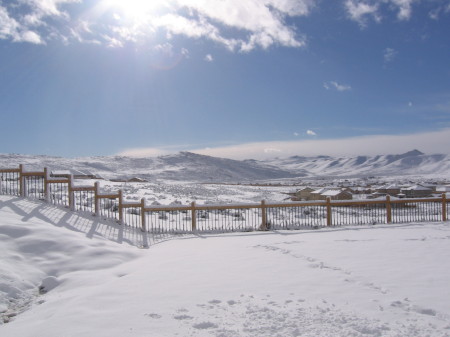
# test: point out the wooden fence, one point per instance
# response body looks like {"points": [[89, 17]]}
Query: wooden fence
{"points": [[230, 217]]}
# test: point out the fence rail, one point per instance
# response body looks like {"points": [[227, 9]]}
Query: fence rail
{"points": [[224, 218]]}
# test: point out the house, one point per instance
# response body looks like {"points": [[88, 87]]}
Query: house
{"points": [[304, 194], [417, 191], [333, 194], [316, 194], [443, 189], [136, 180], [77, 174], [392, 189], [337, 195]]}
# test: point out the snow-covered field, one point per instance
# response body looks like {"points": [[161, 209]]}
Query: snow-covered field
{"points": [[62, 274], [170, 192]]}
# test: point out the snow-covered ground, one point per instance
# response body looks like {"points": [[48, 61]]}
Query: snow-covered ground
{"points": [[63, 274], [170, 192]]}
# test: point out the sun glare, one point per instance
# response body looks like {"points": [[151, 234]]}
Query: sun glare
{"points": [[133, 9]]}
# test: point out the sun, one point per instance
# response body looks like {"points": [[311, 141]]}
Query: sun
{"points": [[134, 9]]}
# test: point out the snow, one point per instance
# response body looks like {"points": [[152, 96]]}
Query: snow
{"points": [[186, 166], [66, 274]]}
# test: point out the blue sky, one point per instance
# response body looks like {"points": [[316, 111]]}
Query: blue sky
{"points": [[232, 78]]}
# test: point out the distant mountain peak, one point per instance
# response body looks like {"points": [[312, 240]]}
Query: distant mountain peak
{"points": [[412, 153]]}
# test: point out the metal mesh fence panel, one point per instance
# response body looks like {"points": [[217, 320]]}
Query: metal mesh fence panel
{"points": [[359, 214], [229, 219], [173, 221], [58, 194], [411, 211], [9, 183], [296, 217], [34, 187], [84, 201], [109, 208]]}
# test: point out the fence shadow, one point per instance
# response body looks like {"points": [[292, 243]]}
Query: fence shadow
{"points": [[88, 224]]}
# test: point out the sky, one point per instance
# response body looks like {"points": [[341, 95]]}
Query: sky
{"points": [[231, 78]]}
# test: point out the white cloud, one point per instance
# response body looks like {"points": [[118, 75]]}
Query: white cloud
{"points": [[296, 134], [143, 152], [404, 8], [32, 37], [247, 25], [428, 142], [12, 29], [311, 133], [335, 85], [389, 54], [435, 13], [209, 58], [8, 26], [271, 150], [362, 10], [185, 52], [238, 25]]}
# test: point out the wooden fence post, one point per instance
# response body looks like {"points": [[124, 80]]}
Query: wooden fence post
{"points": [[21, 182], [264, 216], [96, 198], [388, 209], [329, 216], [120, 207], [143, 224], [71, 194], [193, 217], [46, 190], [444, 207]]}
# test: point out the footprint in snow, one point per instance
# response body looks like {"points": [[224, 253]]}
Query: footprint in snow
{"points": [[205, 325], [155, 316], [182, 317]]}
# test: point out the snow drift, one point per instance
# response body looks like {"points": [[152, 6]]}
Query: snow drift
{"points": [[62, 274]]}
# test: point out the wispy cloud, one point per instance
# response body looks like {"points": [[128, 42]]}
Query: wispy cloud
{"points": [[209, 58], [362, 11], [14, 30], [254, 24], [389, 54], [437, 12], [311, 133], [428, 142], [336, 86], [144, 152], [238, 25]]}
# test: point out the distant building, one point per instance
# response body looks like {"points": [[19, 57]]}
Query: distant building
{"points": [[417, 191], [392, 190], [77, 174], [443, 189], [137, 180], [336, 195], [317, 194], [304, 194]]}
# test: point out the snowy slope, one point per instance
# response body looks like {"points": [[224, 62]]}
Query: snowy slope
{"points": [[380, 281], [182, 166], [186, 166], [410, 163]]}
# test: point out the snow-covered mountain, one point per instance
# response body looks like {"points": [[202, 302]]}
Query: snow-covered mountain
{"points": [[409, 163], [186, 166]]}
